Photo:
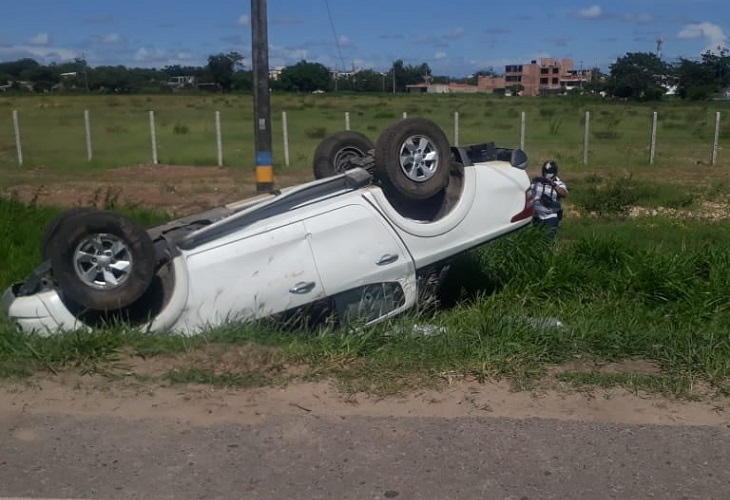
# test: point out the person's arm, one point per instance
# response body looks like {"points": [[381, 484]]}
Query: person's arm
{"points": [[560, 187]]}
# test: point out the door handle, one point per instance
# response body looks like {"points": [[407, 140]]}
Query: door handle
{"points": [[388, 258], [302, 287]]}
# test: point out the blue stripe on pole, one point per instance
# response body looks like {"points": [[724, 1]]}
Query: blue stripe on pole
{"points": [[263, 158]]}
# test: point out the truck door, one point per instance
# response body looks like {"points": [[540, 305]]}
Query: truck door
{"points": [[254, 277], [362, 262]]}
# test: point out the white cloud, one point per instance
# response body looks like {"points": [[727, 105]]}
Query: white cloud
{"points": [[456, 33], [638, 18], [148, 55], [244, 20], [40, 39], [344, 41], [592, 12], [439, 56], [111, 39], [285, 56], [42, 54], [156, 57], [596, 12], [711, 32]]}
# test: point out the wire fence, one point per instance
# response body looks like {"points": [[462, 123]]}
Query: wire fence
{"points": [[225, 139]]}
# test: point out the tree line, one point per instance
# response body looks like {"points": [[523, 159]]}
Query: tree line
{"points": [[224, 72], [637, 76], [645, 76]]}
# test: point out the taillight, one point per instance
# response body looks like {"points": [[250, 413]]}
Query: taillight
{"points": [[527, 210]]}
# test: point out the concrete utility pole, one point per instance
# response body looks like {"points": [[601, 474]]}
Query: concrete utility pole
{"points": [[261, 97]]}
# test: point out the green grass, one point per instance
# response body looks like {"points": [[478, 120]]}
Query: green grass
{"points": [[623, 288], [653, 289], [52, 128]]}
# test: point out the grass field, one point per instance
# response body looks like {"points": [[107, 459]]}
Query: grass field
{"points": [[640, 271], [623, 289], [53, 136]]}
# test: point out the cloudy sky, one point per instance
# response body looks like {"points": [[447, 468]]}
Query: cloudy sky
{"points": [[454, 38]]}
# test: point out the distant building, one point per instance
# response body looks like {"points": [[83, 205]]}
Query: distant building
{"points": [[540, 77], [441, 88], [491, 84], [27, 85], [181, 82]]}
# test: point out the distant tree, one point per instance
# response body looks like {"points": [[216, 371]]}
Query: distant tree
{"points": [[110, 79], [178, 70], [702, 79], [305, 77], [43, 77], [597, 82], [719, 65], [695, 80], [640, 76], [243, 80], [222, 68], [516, 89], [14, 70], [368, 80], [409, 75], [489, 71]]}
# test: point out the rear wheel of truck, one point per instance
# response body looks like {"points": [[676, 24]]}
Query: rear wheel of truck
{"points": [[102, 260], [335, 153], [413, 159]]}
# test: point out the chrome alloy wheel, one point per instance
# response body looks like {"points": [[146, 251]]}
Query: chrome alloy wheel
{"points": [[102, 261], [419, 158]]}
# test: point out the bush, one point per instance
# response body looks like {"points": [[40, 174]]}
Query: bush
{"points": [[606, 135], [613, 198], [180, 129], [316, 132]]}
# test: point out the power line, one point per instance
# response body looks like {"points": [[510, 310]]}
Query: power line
{"points": [[337, 41]]}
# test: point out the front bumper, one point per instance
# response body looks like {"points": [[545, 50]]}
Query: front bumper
{"points": [[43, 312]]}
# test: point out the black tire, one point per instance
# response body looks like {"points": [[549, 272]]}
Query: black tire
{"points": [[48, 239], [334, 152], [102, 260], [413, 159]]}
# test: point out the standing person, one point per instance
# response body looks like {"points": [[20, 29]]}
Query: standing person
{"points": [[547, 191]]}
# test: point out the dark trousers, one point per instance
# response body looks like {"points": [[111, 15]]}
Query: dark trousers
{"points": [[550, 226]]}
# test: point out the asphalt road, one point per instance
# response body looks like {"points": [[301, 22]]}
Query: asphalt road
{"points": [[352, 457]]}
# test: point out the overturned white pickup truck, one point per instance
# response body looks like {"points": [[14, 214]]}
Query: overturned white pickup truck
{"points": [[363, 242]]}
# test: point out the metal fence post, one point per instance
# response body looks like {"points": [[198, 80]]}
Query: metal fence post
{"points": [[285, 129], [16, 126], [87, 127], [456, 128], [716, 142], [522, 130], [218, 138], [347, 120], [586, 134], [153, 136], [652, 151]]}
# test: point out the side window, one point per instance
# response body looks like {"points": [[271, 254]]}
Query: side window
{"points": [[369, 302]]}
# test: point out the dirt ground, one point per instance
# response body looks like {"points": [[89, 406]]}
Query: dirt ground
{"points": [[181, 190], [178, 190], [138, 390], [202, 405]]}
